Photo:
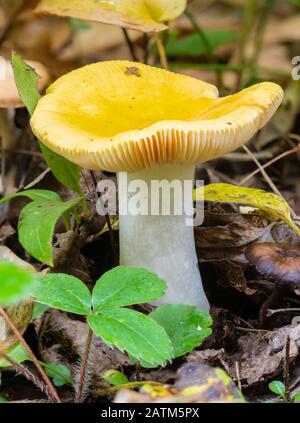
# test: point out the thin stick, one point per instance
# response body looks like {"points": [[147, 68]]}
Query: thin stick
{"points": [[84, 365], [270, 312], [27, 374], [108, 222], [52, 391], [130, 45], [267, 178], [251, 330], [269, 163], [161, 51], [146, 49], [38, 179], [238, 377], [286, 376]]}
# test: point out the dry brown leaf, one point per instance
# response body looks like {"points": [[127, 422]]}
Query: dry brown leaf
{"points": [[261, 355]]}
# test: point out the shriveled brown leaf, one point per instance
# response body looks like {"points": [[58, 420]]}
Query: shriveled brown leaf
{"points": [[261, 355], [233, 275]]}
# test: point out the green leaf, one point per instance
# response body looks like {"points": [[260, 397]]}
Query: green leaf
{"points": [[194, 46], [18, 354], [135, 333], [38, 310], [187, 326], [66, 172], [33, 194], [26, 80], [297, 397], [60, 374], [63, 292], [278, 388], [124, 286], [15, 282], [36, 226], [273, 205], [115, 377]]}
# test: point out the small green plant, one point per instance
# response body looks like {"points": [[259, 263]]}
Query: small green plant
{"points": [[278, 388], [15, 283], [146, 338]]}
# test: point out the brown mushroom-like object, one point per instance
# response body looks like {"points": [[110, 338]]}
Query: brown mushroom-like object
{"points": [[280, 262]]}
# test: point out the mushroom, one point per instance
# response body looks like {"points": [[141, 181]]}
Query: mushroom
{"points": [[280, 263], [122, 116], [10, 99]]}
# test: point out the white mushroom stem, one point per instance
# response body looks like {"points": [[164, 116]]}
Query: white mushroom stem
{"points": [[163, 244]]}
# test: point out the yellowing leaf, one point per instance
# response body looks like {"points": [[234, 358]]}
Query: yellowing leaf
{"points": [[165, 10], [143, 15], [273, 205]]}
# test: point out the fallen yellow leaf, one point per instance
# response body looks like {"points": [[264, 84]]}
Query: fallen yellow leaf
{"points": [[142, 15], [273, 205]]}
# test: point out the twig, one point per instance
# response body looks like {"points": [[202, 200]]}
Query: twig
{"points": [[38, 178], [242, 157], [267, 178], [161, 52], [84, 365], [286, 375], [146, 49], [52, 391], [270, 312], [250, 330], [238, 377], [269, 163], [108, 222], [130, 45], [27, 374]]}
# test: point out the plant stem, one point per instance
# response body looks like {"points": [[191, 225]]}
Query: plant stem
{"points": [[209, 50], [84, 365], [130, 45], [287, 369], [52, 391], [161, 51], [262, 23], [27, 374], [146, 48], [269, 163], [246, 29], [108, 222]]}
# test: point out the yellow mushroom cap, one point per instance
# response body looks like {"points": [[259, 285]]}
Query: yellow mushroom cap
{"points": [[9, 96], [126, 116]]}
